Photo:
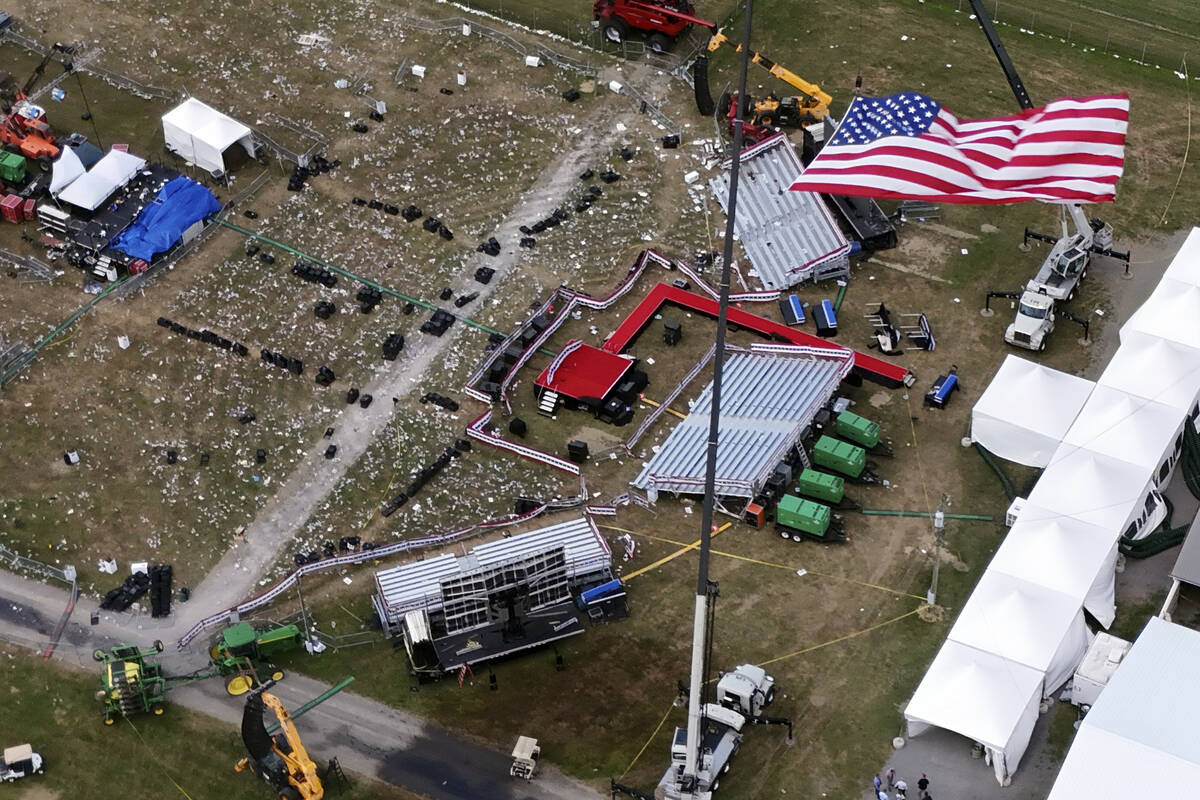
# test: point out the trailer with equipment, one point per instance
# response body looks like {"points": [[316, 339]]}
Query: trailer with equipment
{"points": [[660, 21], [798, 519]]}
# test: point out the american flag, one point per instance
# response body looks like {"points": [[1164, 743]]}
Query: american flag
{"points": [[909, 146]]}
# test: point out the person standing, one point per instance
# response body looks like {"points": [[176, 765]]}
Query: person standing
{"points": [[891, 778], [877, 783], [901, 789], [923, 784]]}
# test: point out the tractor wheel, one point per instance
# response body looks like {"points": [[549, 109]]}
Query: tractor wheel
{"points": [[158, 646], [724, 103], [770, 695], [1070, 295], [276, 674], [44, 163], [615, 30], [239, 685], [158, 711], [1042, 346], [766, 120], [98, 655], [108, 720], [657, 43]]}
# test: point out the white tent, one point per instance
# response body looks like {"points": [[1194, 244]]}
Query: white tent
{"points": [[1026, 410], [1026, 623], [988, 699], [1171, 312], [1063, 554], [105, 177], [1185, 267], [1139, 739], [67, 167], [201, 134], [1127, 427], [1095, 488], [1157, 369]]}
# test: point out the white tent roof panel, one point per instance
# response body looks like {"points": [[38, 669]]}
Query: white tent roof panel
{"points": [[1156, 369], [1026, 410], [1026, 623], [67, 167], [1185, 266], [1092, 487], [1064, 554], [984, 697], [1171, 312], [1139, 738], [200, 134], [105, 177], [1127, 427]]}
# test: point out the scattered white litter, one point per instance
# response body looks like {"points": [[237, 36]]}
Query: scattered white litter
{"points": [[957, 300], [418, 70], [964, 251], [533, 61], [691, 177], [616, 87], [801, 572], [123, 342], [346, 580]]}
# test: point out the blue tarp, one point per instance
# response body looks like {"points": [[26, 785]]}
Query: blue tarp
{"points": [[161, 224]]}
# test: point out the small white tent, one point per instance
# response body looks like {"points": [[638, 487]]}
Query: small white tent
{"points": [[1026, 410], [1127, 427], [1155, 368], [1095, 488], [1063, 554], [201, 134], [988, 699], [1026, 623], [105, 177], [1171, 312]]}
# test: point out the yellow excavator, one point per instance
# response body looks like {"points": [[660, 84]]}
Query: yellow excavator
{"points": [[763, 117], [280, 760]]}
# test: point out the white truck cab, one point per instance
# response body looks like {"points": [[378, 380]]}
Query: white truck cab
{"points": [[747, 689], [1034, 321], [20, 762]]}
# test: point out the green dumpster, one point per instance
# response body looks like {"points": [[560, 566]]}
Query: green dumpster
{"points": [[857, 429], [820, 486], [12, 167], [843, 457]]}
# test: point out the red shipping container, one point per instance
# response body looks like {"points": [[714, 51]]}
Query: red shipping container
{"points": [[29, 209], [10, 207]]}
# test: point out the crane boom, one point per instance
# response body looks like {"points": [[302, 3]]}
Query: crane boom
{"points": [[784, 74]]}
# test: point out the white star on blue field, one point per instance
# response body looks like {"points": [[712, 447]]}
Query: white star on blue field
{"points": [[869, 118]]}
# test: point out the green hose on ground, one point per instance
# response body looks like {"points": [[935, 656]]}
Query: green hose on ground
{"points": [[1004, 481], [1164, 537], [841, 295]]}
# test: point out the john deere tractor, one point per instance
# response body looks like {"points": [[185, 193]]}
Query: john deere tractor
{"points": [[129, 684]]}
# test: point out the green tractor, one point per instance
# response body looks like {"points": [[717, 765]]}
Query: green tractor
{"points": [[798, 519], [241, 650], [129, 684]]}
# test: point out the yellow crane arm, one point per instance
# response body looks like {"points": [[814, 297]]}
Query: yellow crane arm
{"points": [[782, 73], [299, 764]]}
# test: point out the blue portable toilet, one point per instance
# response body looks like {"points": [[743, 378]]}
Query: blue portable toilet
{"points": [[826, 319]]}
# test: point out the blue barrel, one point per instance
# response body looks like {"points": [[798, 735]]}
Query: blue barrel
{"points": [[598, 593]]}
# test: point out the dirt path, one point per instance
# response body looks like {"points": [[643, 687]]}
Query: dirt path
{"points": [[235, 577]]}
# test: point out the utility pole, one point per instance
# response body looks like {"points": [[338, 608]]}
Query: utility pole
{"points": [[939, 528]]}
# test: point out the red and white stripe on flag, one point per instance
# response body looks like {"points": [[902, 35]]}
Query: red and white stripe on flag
{"points": [[1070, 150]]}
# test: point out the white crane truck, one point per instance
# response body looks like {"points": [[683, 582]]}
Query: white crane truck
{"points": [[1059, 276]]}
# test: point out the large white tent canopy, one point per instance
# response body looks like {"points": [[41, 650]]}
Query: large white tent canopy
{"points": [[1171, 312], [1026, 410], [67, 167], [1095, 488], [200, 134], [1139, 739], [1158, 369], [1026, 623], [1064, 554], [1127, 427], [105, 177], [984, 697]]}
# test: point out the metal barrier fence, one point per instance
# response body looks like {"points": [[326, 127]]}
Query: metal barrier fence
{"points": [[16, 561]]}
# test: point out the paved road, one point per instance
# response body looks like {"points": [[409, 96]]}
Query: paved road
{"points": [[367, 737]]}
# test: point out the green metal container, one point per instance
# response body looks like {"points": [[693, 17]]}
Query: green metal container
{"points": [[820, 486], [802, 515], [839, 456], [12, 167], [857, 429]]}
